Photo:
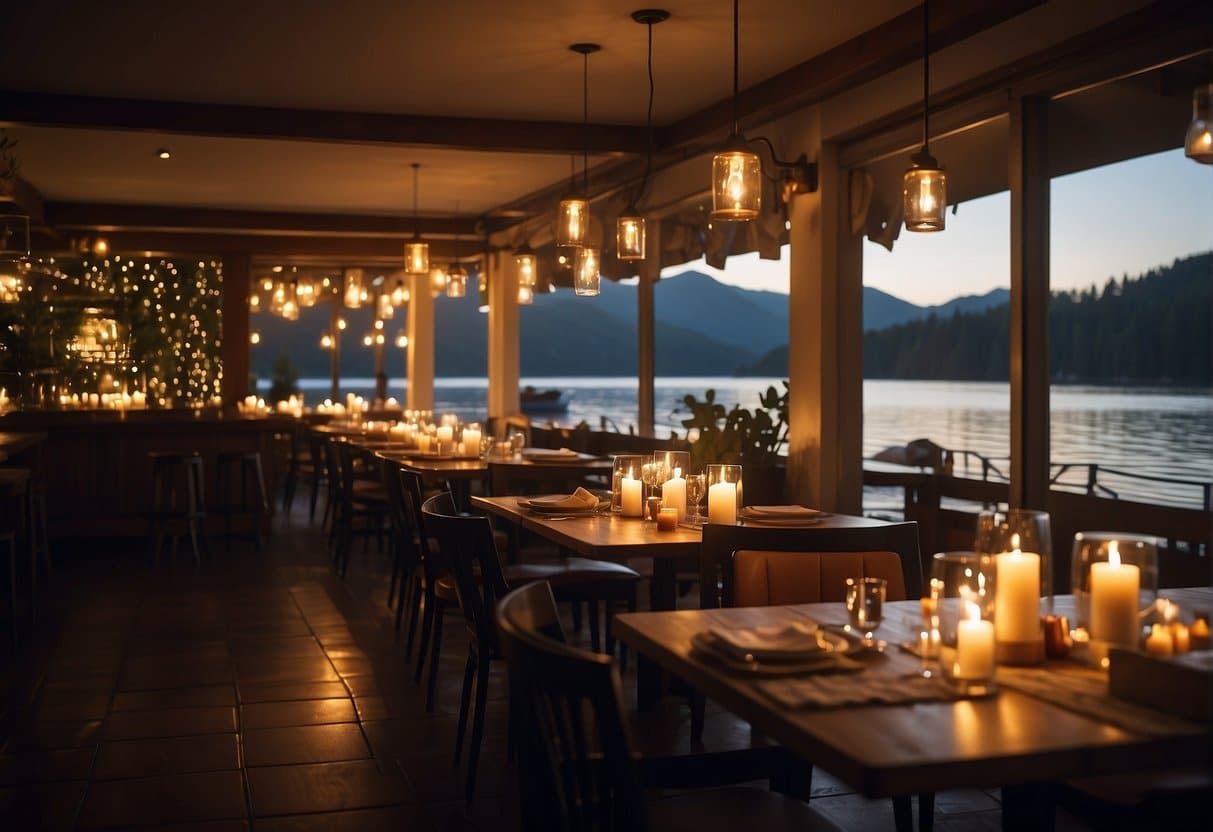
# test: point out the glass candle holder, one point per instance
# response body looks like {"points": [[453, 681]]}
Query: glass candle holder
{"points": [[627, 487], [1114, 577], [963, 591], [724, 494], [669, 470], [1021, 542]]}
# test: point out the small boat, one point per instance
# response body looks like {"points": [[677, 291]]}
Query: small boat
{"points": [[543, 401]]}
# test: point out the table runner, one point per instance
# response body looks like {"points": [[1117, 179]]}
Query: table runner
{"points": [[868, 687]]}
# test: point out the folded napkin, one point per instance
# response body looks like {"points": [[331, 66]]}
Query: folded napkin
{"points": [[867, 687], [796, 640], [781, 515], [579, 499]]}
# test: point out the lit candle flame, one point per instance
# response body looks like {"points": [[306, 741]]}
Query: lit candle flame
{"points": [[1114, 553]]}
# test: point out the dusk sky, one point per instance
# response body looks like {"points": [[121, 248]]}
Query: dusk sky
{"points": [[1119, 219]]}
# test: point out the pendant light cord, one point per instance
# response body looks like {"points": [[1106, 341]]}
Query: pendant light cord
{"points": [[926, 74], [416, 226], [736, 66], [648, 124], [585, 124]]}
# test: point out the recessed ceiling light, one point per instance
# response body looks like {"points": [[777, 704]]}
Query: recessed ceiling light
{"points": [[163, 153]]}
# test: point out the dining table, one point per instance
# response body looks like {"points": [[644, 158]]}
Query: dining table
{"points": [[1042, 724]]}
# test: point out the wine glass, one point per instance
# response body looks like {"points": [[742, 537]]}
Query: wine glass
{"points": [[865, 604], [696, 490]]}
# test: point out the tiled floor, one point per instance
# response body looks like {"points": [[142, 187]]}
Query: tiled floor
{"points": [[261, 693]]}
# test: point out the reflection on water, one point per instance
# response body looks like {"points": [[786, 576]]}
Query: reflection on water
{"points": [[1152, 431]]}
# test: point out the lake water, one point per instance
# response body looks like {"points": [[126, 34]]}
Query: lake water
{"points": [[1146, 431]]}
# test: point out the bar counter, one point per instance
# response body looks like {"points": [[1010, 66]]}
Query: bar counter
{"points": [[97, 472]]}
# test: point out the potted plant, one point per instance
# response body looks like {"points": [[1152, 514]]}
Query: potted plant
{"points": [[752, 439]]}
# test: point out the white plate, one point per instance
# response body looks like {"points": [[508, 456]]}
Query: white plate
{"points": [[825, 661]]}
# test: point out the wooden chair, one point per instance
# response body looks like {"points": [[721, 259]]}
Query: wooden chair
{"points": [[747, 566], [359, 507], [468, 547], [578, 765]]}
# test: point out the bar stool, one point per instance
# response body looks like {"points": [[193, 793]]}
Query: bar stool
{"points": [[172, 505], [248, 465], [13, 492]]}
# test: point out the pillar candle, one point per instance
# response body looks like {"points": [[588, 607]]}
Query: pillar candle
{"points": [[1017, 597], [974, 645], [1159, 643], [423, 442], [674, 494], [445, 433], [631, 502], [1114, 600], [471, 442], [722, 503]]}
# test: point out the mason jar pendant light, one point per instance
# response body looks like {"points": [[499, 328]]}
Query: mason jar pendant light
{"points": [[400, 294], [1198, 143], [416, 252], [352, 291], [586, 275], [573, 218], [925, 185], [736, 172], [457, 275], [629, 226], [437, 281], [526, 295], [526, 263]]}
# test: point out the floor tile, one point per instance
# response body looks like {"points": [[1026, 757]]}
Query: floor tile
{"points": [[48, 806], [390, 819], [45, 736], [286, 691], [72, 706], [286, 669], [167, 799], [304, 744], [46, 766], [288, 790], [203, 696], [302, 712], [170, 722], [171, 755], [154, 678]]}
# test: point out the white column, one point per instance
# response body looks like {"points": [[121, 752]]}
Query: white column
{"points": [[650, 273], [420, 357], [825, 345], [503, 350]]}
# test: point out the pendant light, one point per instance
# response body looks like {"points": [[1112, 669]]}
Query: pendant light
{"points": [[736, 172], [573, 218], [629, 226], [527, 264], [457, 275], [383, 307], [526, 295], [437, 281], [352, 291], [290, 306], [400, 294], [416, 252], [586, 272], [925, 186], [1198, 144]]}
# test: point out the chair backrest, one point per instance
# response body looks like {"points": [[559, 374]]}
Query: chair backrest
{"points": [[397, 503], [467, 545], [759, 566], [574, 744]]}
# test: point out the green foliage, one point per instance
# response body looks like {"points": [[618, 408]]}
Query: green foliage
{"points": [[738, 436], [284, 378]]}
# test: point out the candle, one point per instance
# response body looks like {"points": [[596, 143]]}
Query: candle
{"points": [[423, 443], [722, 503], [674, 494], [471, 442], [139, 399], [1198, 634], [1017, 600], [1114, 590], [974, 645], [632, 504], [446, 433], [667, 519], [1180, 638], [1159, 642]]}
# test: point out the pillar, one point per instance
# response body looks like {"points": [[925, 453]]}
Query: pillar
{"points": [[650, 273], [503, 343], [235, 349], [419, 360], [825, 343], [335, 353]]}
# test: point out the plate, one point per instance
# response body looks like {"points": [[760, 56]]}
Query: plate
{"points": [[833, 660]]}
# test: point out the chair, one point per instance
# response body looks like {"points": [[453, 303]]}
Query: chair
{"points": [[578, 767], [467, 545], [356, 500], [303, 463], [747, 566], [177, 496], [253, 499]]}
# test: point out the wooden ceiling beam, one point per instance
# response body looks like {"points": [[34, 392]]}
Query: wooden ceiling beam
{"points": [[168, 218], [285, 248], [249, 122]]}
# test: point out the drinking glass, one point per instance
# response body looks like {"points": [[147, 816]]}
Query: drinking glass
{"points": [[865, 603], [1114, 576], [696, 491], [963, 589], [1001, 531]]}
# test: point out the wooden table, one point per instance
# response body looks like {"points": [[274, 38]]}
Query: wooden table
{"points": [[1011, 740], [13, 443]]}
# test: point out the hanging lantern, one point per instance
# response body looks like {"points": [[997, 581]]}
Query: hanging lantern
{"points": [[353, 291], [925, 186], [305, 293], [457, 282], [400, 294], [254, 337], [586, 276], [437, 281], [254, 302], [527, 264], [629, 235], [526, 295], [482, 291], [341, 324], [277, 297], [736, 182], [573, 222], [383, 307], [416, 252], [290, 306], [1198, 143], [326, 341], [402, 340]]}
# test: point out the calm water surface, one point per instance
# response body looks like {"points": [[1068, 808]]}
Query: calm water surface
{"points": [[1149, 431]]}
